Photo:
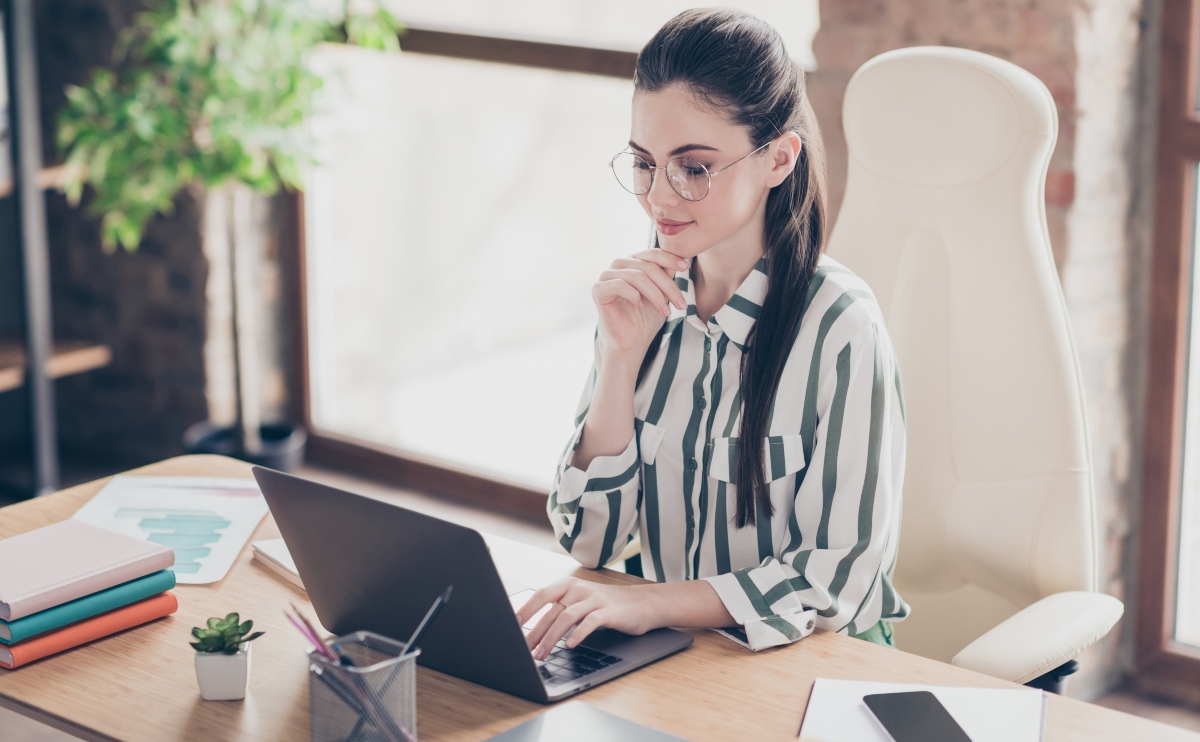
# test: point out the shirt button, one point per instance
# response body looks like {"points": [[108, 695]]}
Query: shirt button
{"points": [[691, 464], [809, 625], [702, 403]]}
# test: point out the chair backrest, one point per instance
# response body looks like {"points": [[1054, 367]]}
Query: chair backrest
{"points": [[944, 217]]}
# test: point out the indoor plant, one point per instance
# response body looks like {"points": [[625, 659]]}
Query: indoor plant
{"points": [[210, 96], [223, 657]]}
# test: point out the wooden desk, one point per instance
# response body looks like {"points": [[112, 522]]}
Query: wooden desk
{"points": [[140, 685]]}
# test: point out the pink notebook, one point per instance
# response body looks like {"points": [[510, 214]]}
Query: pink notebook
{"points": [[67, 560]]}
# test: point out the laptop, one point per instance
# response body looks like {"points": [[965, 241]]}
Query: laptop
{"points": [[369, 565]]}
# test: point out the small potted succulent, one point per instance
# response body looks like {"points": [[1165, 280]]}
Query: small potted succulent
{"points": [[223, 657]]}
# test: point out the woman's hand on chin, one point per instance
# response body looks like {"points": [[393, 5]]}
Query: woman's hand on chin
{"points": [[633, 299], [587, 606]]}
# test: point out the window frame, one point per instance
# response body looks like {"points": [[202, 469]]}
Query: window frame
{"points": [[1163, 665], [376, 460]]}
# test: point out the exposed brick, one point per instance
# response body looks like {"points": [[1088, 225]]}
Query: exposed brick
{"points": [[1060, 187]]}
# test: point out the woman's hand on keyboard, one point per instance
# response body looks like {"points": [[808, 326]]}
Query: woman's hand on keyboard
{"points": [[632, 609], [586, 606]]}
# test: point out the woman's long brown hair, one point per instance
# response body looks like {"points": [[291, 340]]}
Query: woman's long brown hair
{"points": [[737, 64]]}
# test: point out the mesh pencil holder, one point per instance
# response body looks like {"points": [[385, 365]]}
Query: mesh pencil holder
{"points": [[375, 700]]}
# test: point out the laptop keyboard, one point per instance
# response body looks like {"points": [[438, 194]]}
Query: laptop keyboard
{"points": [[564, 664]]}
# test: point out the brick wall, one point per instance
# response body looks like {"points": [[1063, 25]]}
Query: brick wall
{"points": [[1096, 57], [150, 306], [1036, 34]]}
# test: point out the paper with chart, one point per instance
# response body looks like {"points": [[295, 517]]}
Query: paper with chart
{"points": [[206, 520]]}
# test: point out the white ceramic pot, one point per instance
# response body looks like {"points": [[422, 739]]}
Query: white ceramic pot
{"points": [[223, 677]]}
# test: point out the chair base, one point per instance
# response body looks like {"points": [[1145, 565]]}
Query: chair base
{"points": [[1055, 681]]}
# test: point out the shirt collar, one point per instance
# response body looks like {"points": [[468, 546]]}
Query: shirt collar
{"points": [[736, 318]]}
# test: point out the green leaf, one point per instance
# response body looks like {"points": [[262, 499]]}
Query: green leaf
{"points": [[201, 93], [232, 619], [245, 627], [214, 623], [253, 636]]}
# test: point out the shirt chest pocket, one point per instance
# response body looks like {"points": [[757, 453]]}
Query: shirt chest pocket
{"points": [[784, 455], [649, 437]]}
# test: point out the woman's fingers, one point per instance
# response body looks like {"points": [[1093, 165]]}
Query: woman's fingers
{"points": [[544, 624], [567, 618], [584, 628], [608, 291], [661, 278], [640, 281], [551, 593], [668, 261]]}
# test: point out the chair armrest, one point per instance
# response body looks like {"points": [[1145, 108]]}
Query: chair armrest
{"points": [[1042, 636]]}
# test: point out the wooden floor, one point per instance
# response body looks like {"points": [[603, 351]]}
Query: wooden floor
{"points": [[15, 728]]}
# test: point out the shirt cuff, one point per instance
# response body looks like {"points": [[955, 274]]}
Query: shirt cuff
{"points": [[603, 474], [743, 593]]}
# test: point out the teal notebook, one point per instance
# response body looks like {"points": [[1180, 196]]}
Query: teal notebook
{"points": [[115, 597]]}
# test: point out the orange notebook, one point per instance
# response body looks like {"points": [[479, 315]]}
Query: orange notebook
{"points": [[82, 632]]}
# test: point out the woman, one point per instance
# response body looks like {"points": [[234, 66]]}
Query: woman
{"points": [[734, 328]]}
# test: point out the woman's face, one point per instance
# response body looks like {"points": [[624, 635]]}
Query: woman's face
{"points": [[672, 123]]}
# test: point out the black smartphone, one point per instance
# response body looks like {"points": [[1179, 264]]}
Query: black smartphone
{"points": [[917, 716]]}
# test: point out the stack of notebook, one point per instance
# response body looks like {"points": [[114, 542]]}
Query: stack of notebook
{"points": [[71, 582]]}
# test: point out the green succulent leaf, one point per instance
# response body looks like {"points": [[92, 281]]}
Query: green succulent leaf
{"points": [[223, 634], [210, 643]]}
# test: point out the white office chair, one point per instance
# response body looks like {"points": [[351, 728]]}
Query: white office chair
{"points": [[944, 217]]}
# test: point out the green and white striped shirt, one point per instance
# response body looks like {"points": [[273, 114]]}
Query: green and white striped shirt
{"points": [[834, 460]]}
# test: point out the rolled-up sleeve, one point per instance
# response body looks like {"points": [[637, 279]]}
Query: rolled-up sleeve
{"points": [[594, 511], [833, 566]]}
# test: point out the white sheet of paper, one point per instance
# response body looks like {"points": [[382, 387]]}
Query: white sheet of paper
{"points": [[836, 712], [206, 520]]}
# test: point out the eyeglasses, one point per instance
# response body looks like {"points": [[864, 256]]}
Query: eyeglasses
{"points": [[687, 177]]}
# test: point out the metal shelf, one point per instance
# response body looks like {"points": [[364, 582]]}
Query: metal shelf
{"points": [[50, 177], [67, 358], [38, 350]]}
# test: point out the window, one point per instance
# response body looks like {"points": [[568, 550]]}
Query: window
{"points": [[459, 326], [1168, 631], [457, 215], [1187, 584]]}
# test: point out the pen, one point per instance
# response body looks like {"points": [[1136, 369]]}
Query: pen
{"points": [[365, 701], [312, 632], [311, 637], [411, 645]]}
